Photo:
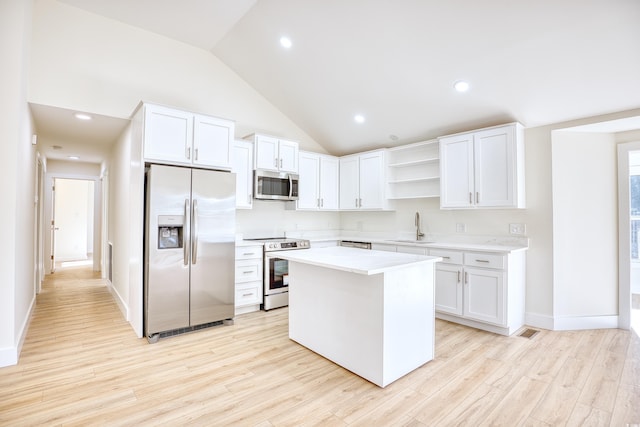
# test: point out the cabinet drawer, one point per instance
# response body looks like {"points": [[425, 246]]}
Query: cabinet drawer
{"points": [[249, 294], [478, 259], [249, 252], [448, 257], [248, 270]]}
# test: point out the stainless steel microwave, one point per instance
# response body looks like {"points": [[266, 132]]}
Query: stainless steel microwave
{"points": [[271, 185]]}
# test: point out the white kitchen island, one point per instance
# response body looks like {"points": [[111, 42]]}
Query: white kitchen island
{"points": [[371, 312]]}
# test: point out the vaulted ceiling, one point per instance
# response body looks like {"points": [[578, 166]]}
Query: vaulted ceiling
{"points": [[395, 62]]}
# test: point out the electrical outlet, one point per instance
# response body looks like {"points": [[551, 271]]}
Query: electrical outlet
{"points": [[519, 229], [461, 227]]}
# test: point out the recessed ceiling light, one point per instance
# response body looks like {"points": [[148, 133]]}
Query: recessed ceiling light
{"points": [[73, 157], [82, 116], [286, 42], [461, 86], [359, 118]]}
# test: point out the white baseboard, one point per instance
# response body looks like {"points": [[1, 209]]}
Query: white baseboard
{"points": [[585, 322], [9, 356], [124, 308], [541, 321], [571, 323]]}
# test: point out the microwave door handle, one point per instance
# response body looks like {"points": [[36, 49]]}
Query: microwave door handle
{"points": [[290, 187]]}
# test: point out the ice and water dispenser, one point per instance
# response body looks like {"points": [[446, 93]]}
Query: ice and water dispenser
{"points": [[170, 231]]}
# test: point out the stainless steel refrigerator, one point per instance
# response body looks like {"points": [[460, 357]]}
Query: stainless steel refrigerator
{"points": [[189, 249]]}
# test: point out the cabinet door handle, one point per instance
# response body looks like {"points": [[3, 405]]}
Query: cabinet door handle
{"points": [[447, 257], [356, 203], [360, 202], [321, 202], [482, 260], [247, 272], [477, 197], [246, 295], [188, 153], [281, 163], [195, 154], [249, 199], [458, 276], [466, 277], [275, 162], [470, 198], [318, 202], [248, 253]]}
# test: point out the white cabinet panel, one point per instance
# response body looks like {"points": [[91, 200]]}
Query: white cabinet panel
{"points": [[179, 137], [481, 289], [449, 289], [243, 168], [318, 187], [168, 134], [483, 169], [275, 154], [362, 181], [484, 295], [212, 141], [249, 278]]}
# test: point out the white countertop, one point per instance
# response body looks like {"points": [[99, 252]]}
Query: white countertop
{"points": [[360, 261]]}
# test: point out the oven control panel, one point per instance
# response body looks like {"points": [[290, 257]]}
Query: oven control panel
{"points": [[298, 244]]}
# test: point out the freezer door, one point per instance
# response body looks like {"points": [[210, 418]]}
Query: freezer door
{"points": [[167, 249], [213, 246]]}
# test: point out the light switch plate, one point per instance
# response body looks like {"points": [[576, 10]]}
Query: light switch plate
{"points": [[461, 227], [518, 229]]}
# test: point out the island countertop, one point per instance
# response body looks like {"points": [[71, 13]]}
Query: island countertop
{"points": [[354, 260]]}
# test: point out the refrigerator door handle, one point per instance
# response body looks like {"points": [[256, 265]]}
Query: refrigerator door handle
{"points": [[194, 232], [185, 243]]}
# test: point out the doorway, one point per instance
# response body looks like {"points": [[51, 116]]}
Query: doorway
{"points": [[629, 235], [73, 212], [72, 231]]}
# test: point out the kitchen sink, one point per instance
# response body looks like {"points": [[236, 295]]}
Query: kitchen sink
{"points": [[420, 242]]}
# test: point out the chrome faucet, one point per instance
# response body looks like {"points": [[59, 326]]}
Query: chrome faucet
{"points": [[419, 234]]}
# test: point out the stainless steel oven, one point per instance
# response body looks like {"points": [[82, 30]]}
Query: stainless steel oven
{"points": [[276, 270]]}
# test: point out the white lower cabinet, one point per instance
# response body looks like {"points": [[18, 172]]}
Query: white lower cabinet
{"points": [[481, 289], [249, 266]]}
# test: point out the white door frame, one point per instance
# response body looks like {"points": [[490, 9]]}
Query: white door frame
{"points": [[97, 213], [624, 235]]}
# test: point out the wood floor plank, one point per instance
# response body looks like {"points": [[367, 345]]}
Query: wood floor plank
{"points": [[81, 364]]}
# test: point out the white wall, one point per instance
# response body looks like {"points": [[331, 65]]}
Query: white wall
{"points": [[86, 62], [17, 181], [118, 218], [585, 226]]}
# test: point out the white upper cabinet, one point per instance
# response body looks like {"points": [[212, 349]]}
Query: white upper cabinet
{"points": [[483, 169], [275, 154], [318, 182], [243, 168], [179, 137], [362, 181], [212, 141]]}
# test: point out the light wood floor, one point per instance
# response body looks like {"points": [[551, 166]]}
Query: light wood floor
{"points": [[82, 365]]}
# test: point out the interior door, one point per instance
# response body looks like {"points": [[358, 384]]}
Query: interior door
{"points": [[53, 228]]}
